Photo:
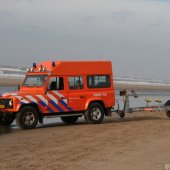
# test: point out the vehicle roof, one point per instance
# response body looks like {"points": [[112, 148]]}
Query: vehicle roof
{"points": [[76, 67]]}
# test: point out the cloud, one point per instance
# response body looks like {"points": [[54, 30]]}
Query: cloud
{"points": [[90, 18], [122, 14]]}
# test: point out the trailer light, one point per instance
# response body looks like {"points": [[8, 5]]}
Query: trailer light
{"points": [[53, 63]]}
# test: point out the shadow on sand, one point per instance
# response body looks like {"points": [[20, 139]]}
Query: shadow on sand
{"points": [[5, 129], [12, 128]]}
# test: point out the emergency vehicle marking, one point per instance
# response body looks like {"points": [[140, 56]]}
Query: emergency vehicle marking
{"points": [[56, 106], [52, 98], [22, 99], [65, 105], [45, 105], [31, 98], [44, 100], [51, 103], [58, 94]]}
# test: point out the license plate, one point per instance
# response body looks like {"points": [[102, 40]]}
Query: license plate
{"points": [[2, 107]]}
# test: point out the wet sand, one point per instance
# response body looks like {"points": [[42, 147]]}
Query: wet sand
{"points": [[140, 141], [10, 81]]}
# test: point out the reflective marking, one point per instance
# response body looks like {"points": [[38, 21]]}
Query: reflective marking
{"points": [[52, 98], [65, 105], [58, 94], [43, 99], [21, 99], [48, 108], [31, 98], [56, 106]]}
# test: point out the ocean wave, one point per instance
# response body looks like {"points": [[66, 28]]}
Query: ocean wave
{"points": [[19, 73]]}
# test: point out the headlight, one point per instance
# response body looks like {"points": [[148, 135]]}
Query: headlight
{"points": [[6, 103], [10, 103]]}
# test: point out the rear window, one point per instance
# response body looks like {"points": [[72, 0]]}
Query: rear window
{"points": [[98, 81]]}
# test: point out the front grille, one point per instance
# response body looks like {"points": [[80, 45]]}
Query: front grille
{"points": [[5, 102], [2, 101]]}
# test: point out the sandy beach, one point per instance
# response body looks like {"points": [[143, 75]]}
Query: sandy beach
{"points": [[138, 142]]}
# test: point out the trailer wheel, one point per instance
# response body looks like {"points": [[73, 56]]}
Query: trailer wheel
{"points": [[27, 118], [95, 113], [69, 119], [7, 121], [122, 114], [168, 113]]}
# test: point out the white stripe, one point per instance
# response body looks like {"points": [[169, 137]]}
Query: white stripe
{"points": [[52, 98], [65, 100], [43, 99], [32, 98], [58, 94], [21, 99]]}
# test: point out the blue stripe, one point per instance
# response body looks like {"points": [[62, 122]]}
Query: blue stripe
{"points": [[65, 105], [27, 103], [21, 103], [56, 106], [43, 104]]}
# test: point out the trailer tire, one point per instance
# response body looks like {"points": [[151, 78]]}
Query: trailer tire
{"points": [[7, 121], [69, 119], [95, 113], [168, 113], [27, 118], [122, 115]]}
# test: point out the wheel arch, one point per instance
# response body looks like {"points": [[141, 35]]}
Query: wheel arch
{"points": [[35, 106], [94, 101]]}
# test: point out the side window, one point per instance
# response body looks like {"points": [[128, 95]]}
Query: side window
{"points": [[56, 83], [98, 81], [75, 82]]}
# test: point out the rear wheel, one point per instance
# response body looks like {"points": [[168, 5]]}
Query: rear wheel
{"points": [[95, 113], [7, 120], [69, 119], [27, 118]]}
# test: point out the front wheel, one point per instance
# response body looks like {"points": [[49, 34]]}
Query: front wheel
{"points": [[7, 120], [95, 113], [69, 119], [27, 118]]}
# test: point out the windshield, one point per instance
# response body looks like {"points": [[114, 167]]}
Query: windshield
{"points": [[35, 80]]}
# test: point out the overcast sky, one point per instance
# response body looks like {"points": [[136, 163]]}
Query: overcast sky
{"points": [[134, 34]]}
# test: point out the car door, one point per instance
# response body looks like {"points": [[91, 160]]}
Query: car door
{"points": [[76, 93], [57, 95]]}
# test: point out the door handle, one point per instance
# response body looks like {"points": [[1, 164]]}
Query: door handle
{"points": [[82, 97]]}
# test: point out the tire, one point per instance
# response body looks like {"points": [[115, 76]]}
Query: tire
{"points": [[69, 119], [122, 114], [95, 113], [168, 113], [27, 118], [7, 121]]}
